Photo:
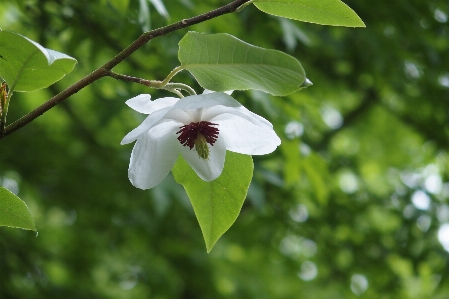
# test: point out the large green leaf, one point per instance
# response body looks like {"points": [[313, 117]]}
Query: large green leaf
{"points": [[14, 212], [27, 66], [217, 204], [324, 12], [222, 62]]}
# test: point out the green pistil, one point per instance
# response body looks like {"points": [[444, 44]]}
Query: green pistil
{"points": [[201, 147]]}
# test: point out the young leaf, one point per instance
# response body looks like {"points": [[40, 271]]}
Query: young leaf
{"points": [[221, 62], [216, 204], [27, 66], [324, 12], [14, 212]]}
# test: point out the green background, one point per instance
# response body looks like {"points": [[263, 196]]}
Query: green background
{"points": [[350, 205]]}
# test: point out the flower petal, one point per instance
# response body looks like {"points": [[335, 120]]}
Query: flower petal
{"points": [[147, 124], [143, 104], [154, 155], [207, 170], [229, 92], [245, 137], [212, 112], [184, 116], [206, 100]]}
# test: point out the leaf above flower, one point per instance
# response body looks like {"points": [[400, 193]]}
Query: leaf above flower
{"points": [[324, 12], [221, 62], [27, 66]]}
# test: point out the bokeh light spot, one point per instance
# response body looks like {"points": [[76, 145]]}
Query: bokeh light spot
{"points": [[359, 284], [421, 200], [309, 271]]}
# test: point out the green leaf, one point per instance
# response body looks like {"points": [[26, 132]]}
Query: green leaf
{"points": [[27, 66], [221, 62], [217, 204], [324, 12], [14, 212]]}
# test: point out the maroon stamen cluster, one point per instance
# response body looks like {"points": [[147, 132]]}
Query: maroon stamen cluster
{"points": [[189, 133]]}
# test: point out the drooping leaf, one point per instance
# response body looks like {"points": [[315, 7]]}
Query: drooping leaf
{"points": [[14, 212], [27, 66], [217, 204], [221, 62], [324, 12]]}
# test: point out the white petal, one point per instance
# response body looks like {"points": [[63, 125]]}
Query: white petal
{"points": [[245, 137], [206, 100], [229, 92], [143, 104], [212, 112], [151, 120], [207, 170], [184, 116], [154, 155]]}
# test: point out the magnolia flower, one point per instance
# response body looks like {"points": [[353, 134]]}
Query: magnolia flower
{"points": [[200, 128]]}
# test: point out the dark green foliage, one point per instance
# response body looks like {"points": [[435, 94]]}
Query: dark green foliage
{"points": [[375, 134]]}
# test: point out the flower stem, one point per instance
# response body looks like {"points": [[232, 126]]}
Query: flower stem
{"points": [[180, 86], [171, 75], [243, 6]]}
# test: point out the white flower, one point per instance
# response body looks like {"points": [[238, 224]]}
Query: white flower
{"points": [[200, 128]]}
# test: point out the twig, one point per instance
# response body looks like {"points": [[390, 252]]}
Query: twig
{"points": [[172, 87], [104, 70], [148, 83]]}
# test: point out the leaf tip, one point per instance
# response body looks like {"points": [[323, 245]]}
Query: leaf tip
{"points": [[359, 24], [306, 83]]}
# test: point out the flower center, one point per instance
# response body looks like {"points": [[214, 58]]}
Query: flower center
{"points": [[198, 135]]}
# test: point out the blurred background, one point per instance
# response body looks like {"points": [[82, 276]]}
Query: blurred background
{"points": [[354, 203]]}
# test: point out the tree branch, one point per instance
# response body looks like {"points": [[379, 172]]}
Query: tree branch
{"points": [[104, 70]]}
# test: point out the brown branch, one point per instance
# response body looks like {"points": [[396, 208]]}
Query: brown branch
{"points": [[104, 70]]}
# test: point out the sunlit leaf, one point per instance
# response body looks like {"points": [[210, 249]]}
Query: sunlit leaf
{"points": [[27, 66], [222, 62], [217, 204], [324, 12], [14, 212]]}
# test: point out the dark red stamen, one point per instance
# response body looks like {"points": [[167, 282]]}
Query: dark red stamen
{"points": [[189, 133]]}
